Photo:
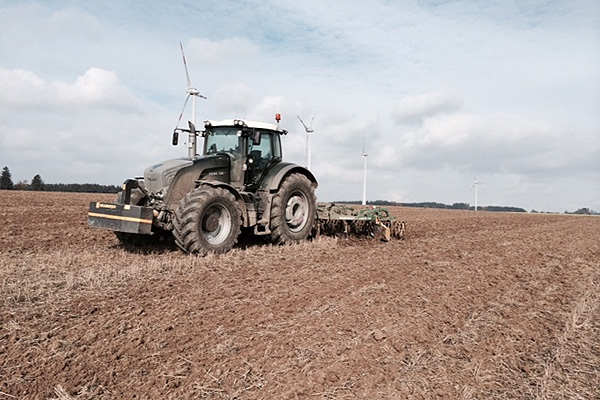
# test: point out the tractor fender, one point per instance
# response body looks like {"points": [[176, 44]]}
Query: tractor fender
{"points": [[234, 192], [270, 185], [279, 172]]}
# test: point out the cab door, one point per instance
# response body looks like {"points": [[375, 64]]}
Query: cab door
{"points": [[261, 155]]}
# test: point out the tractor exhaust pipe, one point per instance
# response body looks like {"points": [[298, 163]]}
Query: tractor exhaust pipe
{"points": [[192, 142]]}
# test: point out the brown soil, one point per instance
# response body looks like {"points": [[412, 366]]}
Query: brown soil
{"points": [[469, 306]]}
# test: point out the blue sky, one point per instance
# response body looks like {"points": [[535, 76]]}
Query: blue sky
{"points": [[441, 91]]}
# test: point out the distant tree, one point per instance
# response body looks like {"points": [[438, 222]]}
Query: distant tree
{"points": [[6, 182], [460, 206], [504, 209], [583, 211], [81, 187], [22, 185], [37, 183]]}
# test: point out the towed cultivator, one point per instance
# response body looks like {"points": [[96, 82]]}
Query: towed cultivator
{"points": [[375, 222]]}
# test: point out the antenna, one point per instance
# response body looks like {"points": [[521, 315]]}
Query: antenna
{"points": [[476, 183], [364, 156], [191, 91], [309, 130]]}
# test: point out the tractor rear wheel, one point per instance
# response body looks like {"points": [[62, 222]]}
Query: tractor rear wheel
{"points": [[207, 220], [293, 210]]}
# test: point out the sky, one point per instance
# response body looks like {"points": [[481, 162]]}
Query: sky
{"points": [[436, 92]]}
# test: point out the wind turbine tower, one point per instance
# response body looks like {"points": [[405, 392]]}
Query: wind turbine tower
{"points": [[191, 91], [364, 156], [476, 183], [309, 131]]}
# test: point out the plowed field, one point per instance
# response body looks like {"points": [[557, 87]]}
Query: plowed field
{"points": [[472, 305]]}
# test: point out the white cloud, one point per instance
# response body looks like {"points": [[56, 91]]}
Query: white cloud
{"points": [[82, 130], [268, 107], [495, 142], [226, 50], [418, 107], [95, 87], [20, 87], [234, 99]]}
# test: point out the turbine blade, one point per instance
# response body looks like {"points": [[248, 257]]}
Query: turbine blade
{"points": [[311, 121], [182, 110], [187, 75], [302, 122]]}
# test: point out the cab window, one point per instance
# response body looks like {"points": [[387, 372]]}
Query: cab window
{"points": [[222, 140], [264, 149]]}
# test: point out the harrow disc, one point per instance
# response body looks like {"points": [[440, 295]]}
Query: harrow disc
{"points": [[398, 229]]}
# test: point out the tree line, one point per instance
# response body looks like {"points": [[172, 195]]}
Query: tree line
{"points": [[431, 204], [463, 206], [38, 184]]}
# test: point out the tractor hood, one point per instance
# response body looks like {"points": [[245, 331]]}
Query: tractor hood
{"points": [[179, 175], [159, 176]]}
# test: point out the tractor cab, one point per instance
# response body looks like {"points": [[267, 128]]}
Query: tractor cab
{"points": [[253, 148]]}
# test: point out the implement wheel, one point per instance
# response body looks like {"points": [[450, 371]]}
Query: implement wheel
{"points": [[293, 210], [207, 220]]}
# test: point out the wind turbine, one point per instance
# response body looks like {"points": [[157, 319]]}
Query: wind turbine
{"points": [[309, 131], [191, 91], [476, 183], [364, 156]]}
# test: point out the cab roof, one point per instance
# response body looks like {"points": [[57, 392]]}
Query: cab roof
{"points": [[246, 123]]}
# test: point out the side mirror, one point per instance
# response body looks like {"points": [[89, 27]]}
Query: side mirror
{"points": [[256, 138], [175, 137]]}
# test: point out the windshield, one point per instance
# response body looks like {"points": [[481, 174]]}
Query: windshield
{"points": [[219, 140]]}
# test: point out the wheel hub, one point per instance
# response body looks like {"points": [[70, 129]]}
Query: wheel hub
{"points": [[216, 224], [296, 212], [211, 222]]}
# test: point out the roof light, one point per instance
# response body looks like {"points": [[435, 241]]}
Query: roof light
{"points": [[277, 117]]}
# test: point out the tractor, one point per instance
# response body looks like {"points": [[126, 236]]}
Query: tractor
{"points": [[239, 182]]}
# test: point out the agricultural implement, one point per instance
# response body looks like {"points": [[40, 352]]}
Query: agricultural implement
{"points": [[374, 222]]}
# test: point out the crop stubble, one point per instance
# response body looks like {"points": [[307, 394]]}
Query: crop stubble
{"points": [[470, 305]]}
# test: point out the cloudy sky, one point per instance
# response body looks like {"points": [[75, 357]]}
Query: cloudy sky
{"points": [[438, 92]]}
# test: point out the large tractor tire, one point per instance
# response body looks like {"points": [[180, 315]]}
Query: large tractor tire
{"points": [[293, 210], [207, 220]]}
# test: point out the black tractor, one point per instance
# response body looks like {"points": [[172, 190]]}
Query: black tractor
{"points": [[239, 183]]}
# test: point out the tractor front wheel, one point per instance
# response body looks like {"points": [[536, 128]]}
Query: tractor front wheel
{"points": [[207, 220], [293, 210]]}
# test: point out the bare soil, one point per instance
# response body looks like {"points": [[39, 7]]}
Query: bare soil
{"points": [[472, 305]]}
